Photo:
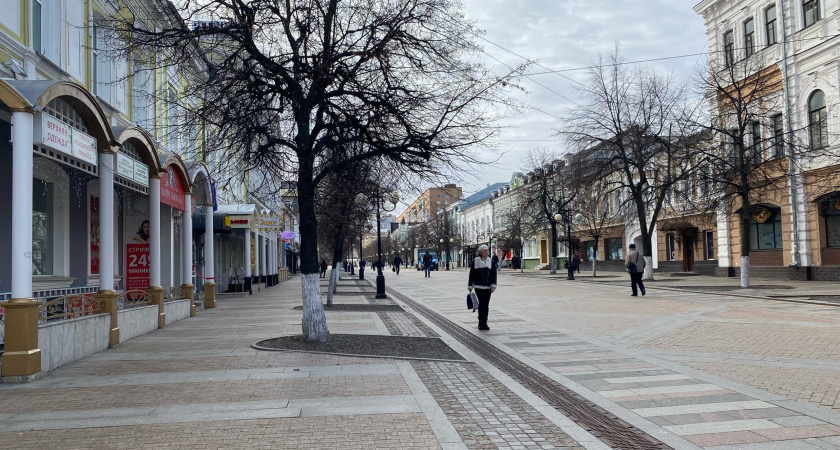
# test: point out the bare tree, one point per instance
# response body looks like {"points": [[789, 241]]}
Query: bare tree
{"points": [[635, 119], [549, 192], [291, 81], [515, 223], [752, 154]]}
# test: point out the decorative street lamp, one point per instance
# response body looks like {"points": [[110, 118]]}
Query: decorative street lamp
{"points": [[381, 205], [567, 218]]}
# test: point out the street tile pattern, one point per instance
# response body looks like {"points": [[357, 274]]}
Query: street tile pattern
{"points": [[487, 414], [403, 324], [356, 432]]}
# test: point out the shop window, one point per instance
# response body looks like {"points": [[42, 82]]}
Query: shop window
{"points": [[589, 249], [614, 250], [710, 244], [832, 224], [765, 228], [43, 217]]}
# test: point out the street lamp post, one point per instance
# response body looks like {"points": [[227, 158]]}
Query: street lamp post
{"points": [[567, 218], [380, 205]]}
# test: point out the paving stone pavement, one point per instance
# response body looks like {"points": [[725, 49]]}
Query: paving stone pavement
{"points": [[691, 369], [198, 384], [711, 371]]}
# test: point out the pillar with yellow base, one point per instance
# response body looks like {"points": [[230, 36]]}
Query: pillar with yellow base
{"points": [[156, 294], [209, 294], [188, 290], [108, 299], [22, 357]]}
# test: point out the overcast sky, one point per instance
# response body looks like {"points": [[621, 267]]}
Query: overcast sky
{"points": [[567, 34]]}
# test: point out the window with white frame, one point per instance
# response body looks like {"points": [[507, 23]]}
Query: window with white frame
{"points": [[101, 70], [37, 15]]}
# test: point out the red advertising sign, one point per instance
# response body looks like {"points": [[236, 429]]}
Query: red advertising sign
{"points": [[94, 235], [171, 190], [137, 266]]}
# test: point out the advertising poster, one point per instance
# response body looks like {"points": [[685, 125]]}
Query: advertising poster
{"points": [[94, 235], [137, 265]]}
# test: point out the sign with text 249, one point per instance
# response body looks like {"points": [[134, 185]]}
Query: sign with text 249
{"points": [[137, 266]]}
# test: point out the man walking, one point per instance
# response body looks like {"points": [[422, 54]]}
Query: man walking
{"points": [[576, 262], [323, 268], [427, 264], [397, 264], [635, 263]]}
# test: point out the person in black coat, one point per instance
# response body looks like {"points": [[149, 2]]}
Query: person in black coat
{"points": [[483, 273], [427, 264], [397, 264]]}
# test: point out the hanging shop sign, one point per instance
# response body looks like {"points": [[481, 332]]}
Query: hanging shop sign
{"points": [[268, 223], [288, 235], [238, 221], [171, 190], [132, 170], [137, 265], [57, 135]]}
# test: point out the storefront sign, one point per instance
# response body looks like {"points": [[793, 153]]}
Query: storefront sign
{"points": [[141, 173], [53, 133], [239, 221], [94, 235], [171, 190], [268, 223], [125, 166], [761, 215], [132, 170], [137, 266], [84, 146]]}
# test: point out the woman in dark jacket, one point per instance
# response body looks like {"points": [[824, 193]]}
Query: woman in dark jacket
{"points": [[483, 280]]}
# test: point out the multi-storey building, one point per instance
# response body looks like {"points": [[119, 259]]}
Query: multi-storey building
{"points": [[105, 192], [795, 230], [429, 203]]}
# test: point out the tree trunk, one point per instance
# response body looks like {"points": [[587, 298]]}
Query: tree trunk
{"points": [[647, 246], [553, 249], [745, 245], [314, 321], [594, 256]]}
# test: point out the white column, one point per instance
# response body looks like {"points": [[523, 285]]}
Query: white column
{"points": [[257, 255], [263, 256], [154, 231], [247, 252], [106, 218], [22, 168], [274, 253], [209, 258], [186, 241]]}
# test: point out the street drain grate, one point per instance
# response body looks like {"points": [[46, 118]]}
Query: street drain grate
{"points": [[602, 424]]}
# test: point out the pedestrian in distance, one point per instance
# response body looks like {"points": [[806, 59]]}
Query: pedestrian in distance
{"points": [[397, 264], [635, 263], [323, 268], [576, 262], [427, 264], [483, 273]]}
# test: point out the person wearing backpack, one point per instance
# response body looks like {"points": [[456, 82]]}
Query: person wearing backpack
{"points": [[635, 263]]}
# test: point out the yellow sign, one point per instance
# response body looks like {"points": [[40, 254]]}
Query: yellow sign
{"points": [[761, 215], [268, 223]]}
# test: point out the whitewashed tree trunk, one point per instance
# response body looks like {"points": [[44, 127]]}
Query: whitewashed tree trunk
{"points": [[331, 287], [553, 261], [745, 271], [338, 270], [314, 324], [593, 267], [648, 268]]}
